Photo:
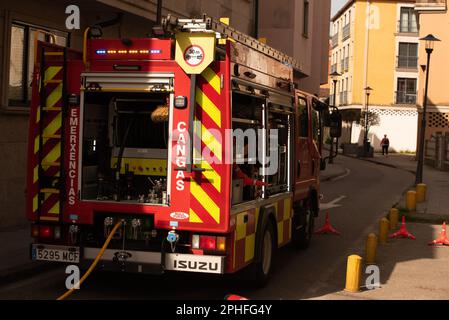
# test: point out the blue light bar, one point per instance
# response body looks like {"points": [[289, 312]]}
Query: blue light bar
{"points": [[101, 51]]}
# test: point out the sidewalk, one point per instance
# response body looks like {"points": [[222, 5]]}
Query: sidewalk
{"points": [[15, 248]]}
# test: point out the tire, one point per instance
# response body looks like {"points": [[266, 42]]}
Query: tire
{"points": [[259, 272], [303, 226]]}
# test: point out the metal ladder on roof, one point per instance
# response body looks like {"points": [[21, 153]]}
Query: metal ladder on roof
{"points": [[208, 24]]}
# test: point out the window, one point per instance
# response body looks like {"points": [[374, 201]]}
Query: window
{"points": [[408, 55], [409, 21], [305, 29], [303, 118], [21, 62], [406, 93]]}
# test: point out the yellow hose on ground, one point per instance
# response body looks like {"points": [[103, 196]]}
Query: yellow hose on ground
{"points": [[94, 264]]}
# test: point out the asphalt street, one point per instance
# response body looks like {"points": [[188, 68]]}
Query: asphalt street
{"points": [[355, 203]]}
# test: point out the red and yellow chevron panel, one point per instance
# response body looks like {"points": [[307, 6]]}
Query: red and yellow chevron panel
{"points": [[207, 187]]}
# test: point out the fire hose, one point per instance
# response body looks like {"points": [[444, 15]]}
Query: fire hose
{"points": [[94, 263]]}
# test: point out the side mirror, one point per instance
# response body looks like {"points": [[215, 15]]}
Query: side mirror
{"points": [[336, 122]]}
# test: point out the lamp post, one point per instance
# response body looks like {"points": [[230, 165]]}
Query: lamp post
{"points": [[334, 76], [366, 144], [429, 39]]}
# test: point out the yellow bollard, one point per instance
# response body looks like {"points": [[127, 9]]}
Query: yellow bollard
{"points": [[410, 201], [394, 218], [371, 248], [384, 226], [421, 190], [353, 273]]}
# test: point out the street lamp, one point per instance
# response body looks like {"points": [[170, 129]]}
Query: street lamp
{"points": [[334, 76], [429, 39], [366, 144]]}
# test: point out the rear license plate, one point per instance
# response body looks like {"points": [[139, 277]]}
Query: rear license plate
{"points": [[55, 253]]}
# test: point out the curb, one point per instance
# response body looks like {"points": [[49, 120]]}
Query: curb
{"points": [[24, 271], [335, 175], [379, 163]]}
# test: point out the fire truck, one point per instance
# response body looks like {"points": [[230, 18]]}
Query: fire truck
{"points": [[142, 132]]}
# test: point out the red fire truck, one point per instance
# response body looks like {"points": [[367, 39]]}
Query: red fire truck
{"points": [[142, 132]]}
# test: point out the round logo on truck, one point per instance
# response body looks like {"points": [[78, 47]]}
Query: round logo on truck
{"points": [[194, 55], [179, 215]]}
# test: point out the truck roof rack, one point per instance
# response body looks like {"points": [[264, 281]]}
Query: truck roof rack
{"points": [[208, 24]]}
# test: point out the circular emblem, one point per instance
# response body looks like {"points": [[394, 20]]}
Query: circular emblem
{"points": [[194, 55]]}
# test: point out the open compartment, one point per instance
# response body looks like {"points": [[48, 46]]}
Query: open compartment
{"points": [[125, 147]]}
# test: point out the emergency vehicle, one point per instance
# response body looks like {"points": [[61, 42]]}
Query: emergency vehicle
{"points": [[140, 131]]}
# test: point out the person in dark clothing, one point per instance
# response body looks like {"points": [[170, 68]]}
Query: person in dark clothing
{"points": [[385, 144]]}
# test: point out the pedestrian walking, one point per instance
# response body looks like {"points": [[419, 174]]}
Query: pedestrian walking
{"points": [[385, 144]]}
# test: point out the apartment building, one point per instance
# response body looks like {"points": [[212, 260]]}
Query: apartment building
{"points": [[434, 19], [297, 27], [375, 44]]}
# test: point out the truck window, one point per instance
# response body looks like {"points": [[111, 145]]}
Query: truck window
{"points": [[303, 115], [315, 125]]}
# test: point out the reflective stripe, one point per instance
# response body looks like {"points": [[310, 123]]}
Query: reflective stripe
{"points": [[193, 217], [51, 72], [203, 198], [208, 106], [211, 142], [211, 175], [54, 96], [210, 76]]}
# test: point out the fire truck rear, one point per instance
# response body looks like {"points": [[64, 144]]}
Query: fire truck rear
{"points": [[143, 132]]}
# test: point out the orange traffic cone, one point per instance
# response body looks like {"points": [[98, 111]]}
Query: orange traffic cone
{"points": [[402, 233], [234, 297], [327, 227], [442, 239]]}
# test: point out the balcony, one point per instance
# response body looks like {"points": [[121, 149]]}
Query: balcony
{"points": [[407, 63], [431, 5], [335, 40], [346, 64], [405, 97], [407, 28], [346, 32]]}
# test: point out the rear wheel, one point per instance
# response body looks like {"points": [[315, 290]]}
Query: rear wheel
{"points": [[260, 270], [303, 226]]}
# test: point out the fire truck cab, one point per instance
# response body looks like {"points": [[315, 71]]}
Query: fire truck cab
{"points": [[146, 131]]}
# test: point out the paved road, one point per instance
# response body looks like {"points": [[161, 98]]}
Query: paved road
{"points": [[364, 195]]}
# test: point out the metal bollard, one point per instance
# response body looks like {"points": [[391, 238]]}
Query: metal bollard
{"points": [[371, 248], [384, 226], [394, 218], [421, 191], [353, 273], [410, 201]]}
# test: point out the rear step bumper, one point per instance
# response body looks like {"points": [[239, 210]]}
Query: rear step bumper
{"points": [[143, 261]]}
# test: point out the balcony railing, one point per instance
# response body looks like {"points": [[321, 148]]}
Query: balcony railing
{"points": [[346, 32], [346, 64], [335, 40], [406, 62], [405, 97], [431, 5], [407, 27]]}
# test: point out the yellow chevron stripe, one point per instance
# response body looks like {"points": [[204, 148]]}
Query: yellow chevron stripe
{"points": [[54, 209], [211, 175], [213, 79], [211, 142], [194, 218], [36, 144], [38, 114], [54, 96], [51, 72], [208, 106], [53, 155], [204, 199], [35, 203], [53, 126], [35, 174]]}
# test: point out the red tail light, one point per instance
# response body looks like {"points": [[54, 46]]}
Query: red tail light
{"points": [[45, 232], [208, 242]]}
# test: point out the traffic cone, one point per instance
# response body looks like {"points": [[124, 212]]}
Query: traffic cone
{"points": [[327, 227], [234, 297], [442, 239], [402, 233]]}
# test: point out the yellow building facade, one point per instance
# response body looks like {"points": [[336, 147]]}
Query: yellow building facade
{"points": [[375, 44]]}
